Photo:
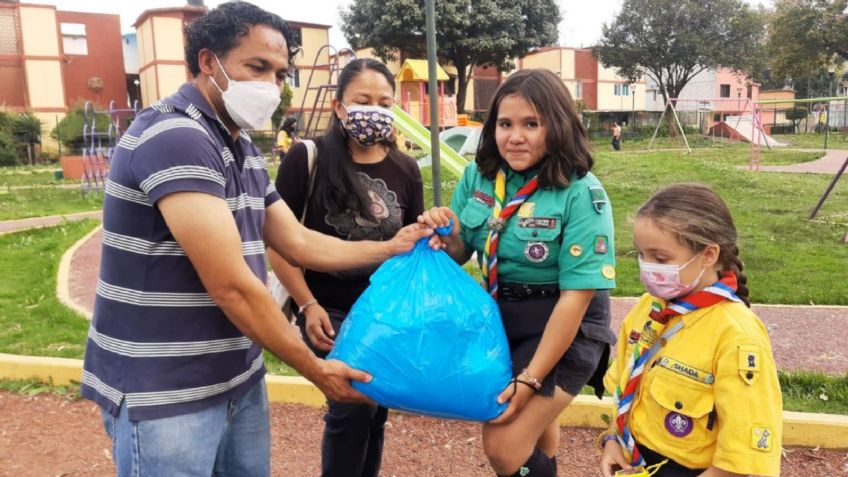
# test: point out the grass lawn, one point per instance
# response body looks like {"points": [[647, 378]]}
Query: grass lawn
{"points": [[813, 141], [27, 176], [46, 200], [32, 321]]}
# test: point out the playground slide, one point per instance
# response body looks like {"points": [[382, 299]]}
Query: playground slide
{"points": [[743, 128], [420, 135]]}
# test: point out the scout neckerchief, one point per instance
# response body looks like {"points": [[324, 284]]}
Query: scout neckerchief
{"points": [[500, 215], [628, 385]]}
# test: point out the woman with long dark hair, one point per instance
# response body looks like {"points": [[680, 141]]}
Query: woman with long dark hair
{"points": [[364, 189]]}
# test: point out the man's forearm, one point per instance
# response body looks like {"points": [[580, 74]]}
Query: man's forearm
{"points": [[255, 314], [324, 253]]}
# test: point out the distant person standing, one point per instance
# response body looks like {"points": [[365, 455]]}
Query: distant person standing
{"points": [[616, 136], [287, 136]]}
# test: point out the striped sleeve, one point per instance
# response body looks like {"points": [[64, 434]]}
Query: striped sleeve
{"points": [[183, 158]]}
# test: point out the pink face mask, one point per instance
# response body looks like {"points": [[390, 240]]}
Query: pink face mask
{"points": [[663, 281]]}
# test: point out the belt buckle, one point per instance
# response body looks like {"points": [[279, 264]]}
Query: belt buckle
{"points": [[526, 292]]}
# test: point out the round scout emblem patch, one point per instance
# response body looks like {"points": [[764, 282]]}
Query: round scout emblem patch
{"points": [[677, 424], [608, 272], [576, 250], [536, 252]]}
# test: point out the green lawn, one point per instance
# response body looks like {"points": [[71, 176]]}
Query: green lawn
{"points": [[813, 141], [29, 176], [32, 321], [45, 200]]}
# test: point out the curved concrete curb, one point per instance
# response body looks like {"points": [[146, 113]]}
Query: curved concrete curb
{"points": [[63, 276], [799, 429]]}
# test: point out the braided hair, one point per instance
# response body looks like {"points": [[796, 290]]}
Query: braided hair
{"points": [[698, 217]]}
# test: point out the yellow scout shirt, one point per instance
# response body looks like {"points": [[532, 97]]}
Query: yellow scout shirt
{"points": [[558, 235], [711, 395], [284, 142]]}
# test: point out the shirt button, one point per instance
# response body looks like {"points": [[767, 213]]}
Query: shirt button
{"points": [[750, 375], [678, 405], [535, 234]]}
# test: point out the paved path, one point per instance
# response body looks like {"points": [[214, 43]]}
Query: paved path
{"points": [[803, 337], [829, 164], [9, 226]]}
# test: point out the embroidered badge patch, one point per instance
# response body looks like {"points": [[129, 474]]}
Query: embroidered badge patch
{"points": [[599, 197], [749, 364], [648, 335], [762, 438], [575, 250], [484, 198], [526, 209], [608, 271], [536, 252], [677, 424], [537, 222], [601, 244], [634, 337]]}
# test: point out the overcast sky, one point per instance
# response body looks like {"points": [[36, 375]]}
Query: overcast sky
{"points": [[581, 25]]}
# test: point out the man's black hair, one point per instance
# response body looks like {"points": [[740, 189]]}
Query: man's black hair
{"points": [[221, 28]]}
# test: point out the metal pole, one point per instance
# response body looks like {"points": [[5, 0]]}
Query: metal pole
{"points": [[430, 19], [827, 125], [829, 188]]}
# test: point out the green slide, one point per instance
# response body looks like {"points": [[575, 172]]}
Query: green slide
{"points": [[417, 133]]}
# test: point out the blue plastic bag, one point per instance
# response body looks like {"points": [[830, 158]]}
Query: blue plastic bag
{"points": [[431, 337]]}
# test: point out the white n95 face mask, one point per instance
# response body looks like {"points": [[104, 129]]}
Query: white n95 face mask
{"points": [[249, 103]]}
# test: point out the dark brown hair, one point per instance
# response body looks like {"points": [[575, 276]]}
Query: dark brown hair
{"points": [[698, 217], [566, 147]]}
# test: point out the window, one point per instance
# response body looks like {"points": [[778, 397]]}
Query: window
{"points": [[293, 78], [724, 91], [578, 90], [622, 89], [73, 39], [298, 36]]}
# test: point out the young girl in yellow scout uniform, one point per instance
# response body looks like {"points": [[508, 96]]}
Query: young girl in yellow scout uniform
{"points": [[694, 379], [541, 225]]}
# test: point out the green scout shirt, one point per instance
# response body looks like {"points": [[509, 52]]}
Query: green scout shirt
{"points": [[558, 235]]}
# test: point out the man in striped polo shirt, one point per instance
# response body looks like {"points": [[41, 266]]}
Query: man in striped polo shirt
{"points": [[174, 352]]}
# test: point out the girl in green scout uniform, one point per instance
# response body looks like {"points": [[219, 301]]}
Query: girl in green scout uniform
{"points": [[694, 380], [541, 225]]}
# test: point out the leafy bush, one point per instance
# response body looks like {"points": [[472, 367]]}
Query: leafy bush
{"points": [[8, 149], [286, 96], [70, 128]]}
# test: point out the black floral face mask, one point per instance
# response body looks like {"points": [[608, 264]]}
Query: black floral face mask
{"points": [[369, 125]]}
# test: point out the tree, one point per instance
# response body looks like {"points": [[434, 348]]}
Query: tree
{"points": [[674, 40], [27, 130], [69, 130], [468, 32], [795, 115], [285, 103], [807, 36]]}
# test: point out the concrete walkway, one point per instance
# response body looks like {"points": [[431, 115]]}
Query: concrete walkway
{"points": [[829, 164], [9, 226]]}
